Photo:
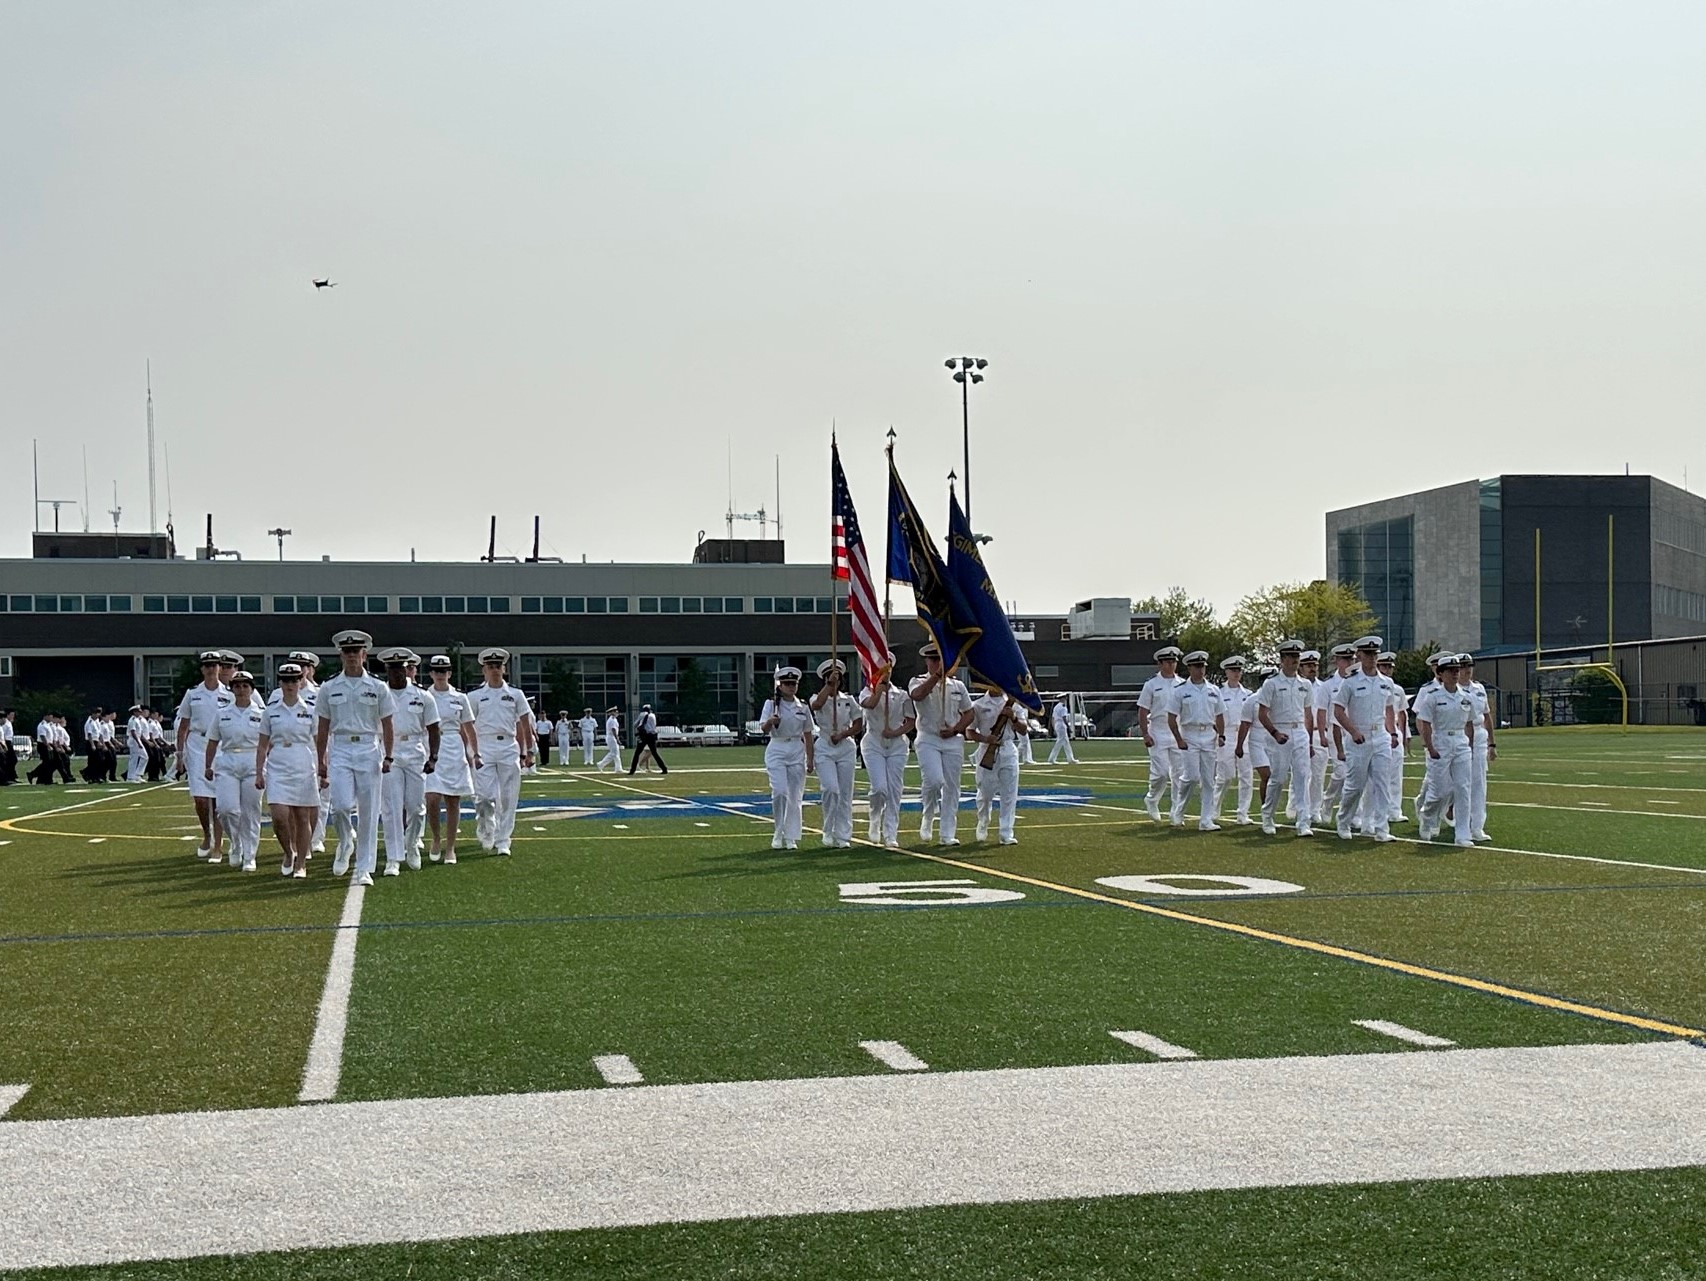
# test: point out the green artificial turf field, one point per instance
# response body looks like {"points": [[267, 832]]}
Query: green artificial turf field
{"points": [[648, 917]]}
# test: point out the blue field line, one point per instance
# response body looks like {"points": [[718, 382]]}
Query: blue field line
{"points": [[756, 804], [127, 936]]}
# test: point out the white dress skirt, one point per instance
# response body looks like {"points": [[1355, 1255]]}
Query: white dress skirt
{"points": [[292, 777], [450, 775]]}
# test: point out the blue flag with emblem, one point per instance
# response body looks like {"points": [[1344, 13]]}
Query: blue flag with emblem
{"points": [[913, 559], [994, 658]]}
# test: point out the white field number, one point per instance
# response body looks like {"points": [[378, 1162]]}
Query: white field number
{"points": [[923, 893], [1219, 886]]}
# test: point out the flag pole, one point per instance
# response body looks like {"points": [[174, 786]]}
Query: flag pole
{"points": [[888, 586], [834, 591]]}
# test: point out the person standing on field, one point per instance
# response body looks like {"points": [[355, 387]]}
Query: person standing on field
{"points": [[589, 735], [1282, 708], [942, 710], [353, 746], [1196, 722], [1153, 704], [888, 721], [452, 778], [1061, 719]]}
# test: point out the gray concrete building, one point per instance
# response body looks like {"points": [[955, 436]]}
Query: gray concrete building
{"points": [[1618, 556]]}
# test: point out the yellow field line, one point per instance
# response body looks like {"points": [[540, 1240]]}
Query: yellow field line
{"points": [[1328, 949]]}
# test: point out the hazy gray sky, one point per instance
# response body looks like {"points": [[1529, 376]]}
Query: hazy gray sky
{"points": [[1233, 265]]}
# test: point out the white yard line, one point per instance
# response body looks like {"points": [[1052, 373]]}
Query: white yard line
{"points": [[66, 809], [617, 1069], [1398, 1032], [9, 1096], [1154, 1045], [895, 1055], [326, 1050], [1598, 807], [1570, 858], [116, 1189]]}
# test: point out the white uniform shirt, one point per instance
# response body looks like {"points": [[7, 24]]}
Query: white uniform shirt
{"points": [[1400, 708], [1286, 698], [796, 719], [987, 710], [1062, 717], [896, 706], [836, 714], [6, 732], [563, 738], [237, 730], [612, 730], [92, 731], [1450, 712], [416, 708], [288, 727], [200, 705], [1197, 706], [1157, 697], [940, 708], [1321, 698], [589, 729], [354, 706], [1232, 700], [454, 711], [498, 711], [1477, 693], [1365, 698]]}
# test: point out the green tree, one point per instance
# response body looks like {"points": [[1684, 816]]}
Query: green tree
{"points": [[1220, 640], [1411, 670], [1598, 701], [563, 690], [32, 705], [1177, 612], [693, 702], [1318, 614], [187, 676]]}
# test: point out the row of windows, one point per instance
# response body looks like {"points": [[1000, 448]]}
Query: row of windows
{"points": [[1679, 531], [1674, 602], [56, 604]]}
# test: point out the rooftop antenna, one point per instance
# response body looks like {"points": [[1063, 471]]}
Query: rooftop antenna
{"points": [[85, 489], [731, 516], [171, 536], [778, 497], [115, 511], [281, 535], [153, 516], [55, 503]]}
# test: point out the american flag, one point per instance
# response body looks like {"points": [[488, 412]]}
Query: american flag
{"points": [[853, 567]]}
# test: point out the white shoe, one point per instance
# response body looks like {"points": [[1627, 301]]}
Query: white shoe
{"points": [[450, 858], [1344, 836], [1208, 827], [950, 840], [791, 845], [1479, 836], [925, 833], [775, 842], [1154, 813], [318, 847], [891, 844], [366, 878], [1268, 829], [413, 859], [434, 856], [300, 874], [982, 834], [502, 851], [1306, 831], [340, 861], [1384, 838], [249, 865], [1175, 822], [203, 853], [285, 870], [1244, 820], [1465, 845], [1009, 840], [234, 858], [392, 868]]}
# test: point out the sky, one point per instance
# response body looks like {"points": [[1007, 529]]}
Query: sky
{"points": [[1232, 265]]}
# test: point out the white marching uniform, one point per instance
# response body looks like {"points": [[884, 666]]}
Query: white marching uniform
{"points": [[1416, 706], [291, 775], [1286, 699], [1395, 760], [1229, 766], [1478, 758], [1326, 770], [353, 708], [1022, 720], [498, 714], [612, 745], [589, 738], [199, 708], [308, 693], [885, 761], [136, 748], [1061, 720], [404, 788], [1201, 719], [562, 736], [452, 775], [998, 784], [234, 734], [1367, 702], [1451, 716], [785, 763], [940, 760], [835, 762], [1157, 698]]}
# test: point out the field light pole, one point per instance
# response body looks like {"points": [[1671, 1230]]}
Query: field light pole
{"points": [[965, 370]]}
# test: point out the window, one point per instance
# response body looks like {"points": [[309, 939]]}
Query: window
{"points": [[575, 605], [1492, 563], [477, 605], [355, 605], [177, 604], [670, 604], [618, 604], [249, 604], [47, 604], [225, 604], [307, 604], [553, 604], [785, 604], [5, 664], [498, 604], [530, 605], [201, 604], [432, 604], [70, 604], [734, 605], [690, 605], [1047, 672], [118, 604], [378, 604], [153, 604], [806, 605], [824, 605], [597, 605], [94, 604], [455, 604], [713, 604], [1119, 674], [20, 604], [1379, 560], [761, 605], [284, 604], [648, 604], [408, 604], [843, 605]]}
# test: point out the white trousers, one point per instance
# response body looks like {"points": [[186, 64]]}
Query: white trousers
{"points": [[1196, 766], [587, 749], [940, 761], [887, 772], [612, 755], [1288, 762], [1319, 765], [835, 792], [1395, 781], [353, 772], [136, 760], [1447, 786], [1163, 768], [404, 812], [786, 766], [239, 802], [1366, 765], [1062, 746], [1026, 755], [497, 789], [1478, 784], [998, 786], [1228, 767]]}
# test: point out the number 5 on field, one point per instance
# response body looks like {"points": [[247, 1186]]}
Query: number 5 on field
{"points": [[923, 893]]}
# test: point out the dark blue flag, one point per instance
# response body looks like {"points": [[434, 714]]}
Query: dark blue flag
{"points": [[913, 559], [994, 658]]}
